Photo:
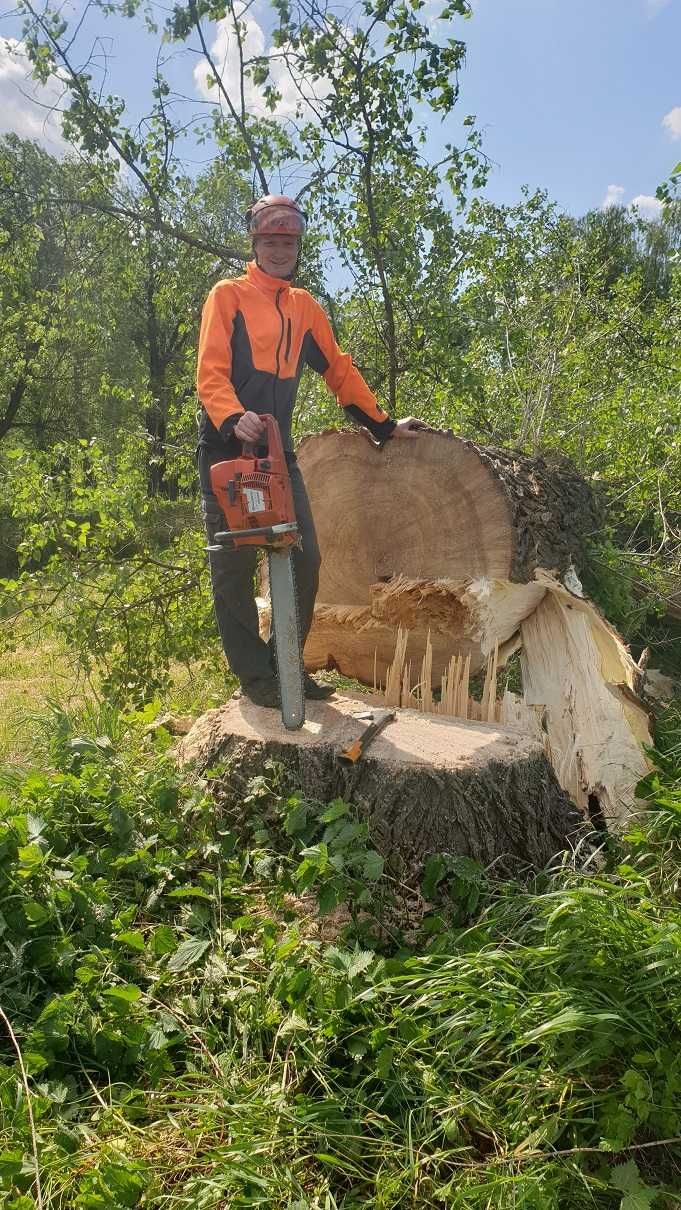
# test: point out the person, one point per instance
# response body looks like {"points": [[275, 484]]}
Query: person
{"points": [[258, 332]]}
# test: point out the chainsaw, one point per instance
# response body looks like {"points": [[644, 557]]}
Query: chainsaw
{"points": [[254, 494]]}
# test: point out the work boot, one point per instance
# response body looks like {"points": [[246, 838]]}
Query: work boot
{"points": [[314, 691], [264, 692]]}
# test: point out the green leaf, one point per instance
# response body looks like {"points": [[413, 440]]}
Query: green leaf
{"points": [[306, 874], [349, 832], [34, 1062], [357, 1047], [244, 924], [569, 1020], [123, 1182], [36, 826], [10, 1166], [190, 892], [433, 873], [35, 912], [294, 1023], [361, 961], [384, 1062], [637, 1195], [30, 858], [188, 954], [81, 745], [163, 940], [296, 819], [289, 944], [134, 940], [122, 996], [335, 810], [328, 898], [373, 866]]}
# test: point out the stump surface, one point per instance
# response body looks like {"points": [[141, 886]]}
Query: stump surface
{"points": [[427, 784]]}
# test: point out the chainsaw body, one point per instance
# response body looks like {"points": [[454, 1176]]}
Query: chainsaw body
{"points": [[254, 494]]}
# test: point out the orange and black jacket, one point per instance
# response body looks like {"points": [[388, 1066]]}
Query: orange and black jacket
{"points": [[257, 335]]}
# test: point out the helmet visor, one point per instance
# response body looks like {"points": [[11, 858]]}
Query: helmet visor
{"points": [[277, 220]]}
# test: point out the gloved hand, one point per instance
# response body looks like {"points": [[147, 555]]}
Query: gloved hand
{"points": [[409, 427]]}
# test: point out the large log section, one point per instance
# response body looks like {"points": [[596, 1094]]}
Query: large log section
{"points": [[478, 547], [426, 785], [405, 530]]}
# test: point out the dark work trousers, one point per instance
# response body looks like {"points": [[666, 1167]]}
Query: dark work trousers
{"points": [[232, 576]]}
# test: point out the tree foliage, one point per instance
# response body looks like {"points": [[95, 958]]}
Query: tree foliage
{"points": [[518, 325]]}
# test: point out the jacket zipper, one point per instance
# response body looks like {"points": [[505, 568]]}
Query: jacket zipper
{"points": [[288, 340], [281, 317], [281, 338]]}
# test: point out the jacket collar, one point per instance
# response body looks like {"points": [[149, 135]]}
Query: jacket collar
{"points": [[263, 281]]}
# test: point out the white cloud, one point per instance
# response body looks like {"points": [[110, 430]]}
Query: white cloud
{"points": [[655, 6], [225, 55], [28, 108], [613, 196], [672, 122], [648, 207]]}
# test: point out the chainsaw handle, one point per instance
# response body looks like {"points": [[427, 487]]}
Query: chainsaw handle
{"points": [[272, 440]]}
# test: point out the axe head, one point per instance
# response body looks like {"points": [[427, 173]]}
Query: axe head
{"points": [[375, 715]]}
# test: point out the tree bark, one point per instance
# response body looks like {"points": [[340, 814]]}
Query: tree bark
{"points": [[14, 399], [18, 390], [426, 785]]}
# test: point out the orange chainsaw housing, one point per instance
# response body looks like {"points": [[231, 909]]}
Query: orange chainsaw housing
{"points": [[255, 494]]}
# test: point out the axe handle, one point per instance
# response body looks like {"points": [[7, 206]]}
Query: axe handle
{"points": [[355, 750]]}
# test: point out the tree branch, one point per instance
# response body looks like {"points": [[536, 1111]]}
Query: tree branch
{"points": [[240, 121]]}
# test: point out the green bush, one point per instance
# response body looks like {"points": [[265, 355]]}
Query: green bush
{"points": [[221, 999]]}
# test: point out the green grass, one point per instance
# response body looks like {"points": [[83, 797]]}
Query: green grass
{"points": [[33, 676], [29, 677], [220, 1000]]}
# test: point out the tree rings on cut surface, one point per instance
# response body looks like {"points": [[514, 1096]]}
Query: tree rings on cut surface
{"points": [[434, 534]]}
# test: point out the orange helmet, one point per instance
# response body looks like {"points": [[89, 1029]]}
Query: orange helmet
{"points": [[275, 214]]}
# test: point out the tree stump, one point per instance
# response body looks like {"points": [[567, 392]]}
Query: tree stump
{"points": [[426, 785]]}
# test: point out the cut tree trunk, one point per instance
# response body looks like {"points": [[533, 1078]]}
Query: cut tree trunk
{"points": [[435, 534], [474, 552], [426, 785]]}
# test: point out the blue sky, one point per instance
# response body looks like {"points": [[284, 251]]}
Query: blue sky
{"points": [[571, 95]]}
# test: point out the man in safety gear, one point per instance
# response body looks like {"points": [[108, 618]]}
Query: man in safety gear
{"points": [[258, 332]]}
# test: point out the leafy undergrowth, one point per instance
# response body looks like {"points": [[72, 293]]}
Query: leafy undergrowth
{"points": [[212, 998]]}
